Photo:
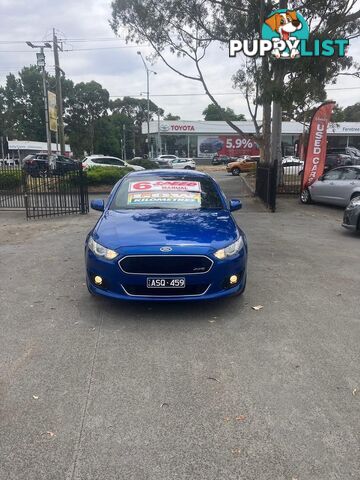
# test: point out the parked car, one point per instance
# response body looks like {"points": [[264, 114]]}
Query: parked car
{"points": [[292, 166], [166, 236], [245, 164], [164, 161], [38, 165], [107, 161], [211, 145], [333, 160], [186, 163], [167, 157], [351, 151], [220, 160], [336, 187], [351, 218], [8, 162]]}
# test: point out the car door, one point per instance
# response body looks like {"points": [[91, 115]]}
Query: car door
{"points": [[349, 182], [115, 162], [327, 189]]}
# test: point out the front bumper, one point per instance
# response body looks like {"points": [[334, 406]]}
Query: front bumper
{"points": [[120, 285]]}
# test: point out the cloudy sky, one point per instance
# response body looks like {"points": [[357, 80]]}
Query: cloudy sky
{"points": [[94, 53]]}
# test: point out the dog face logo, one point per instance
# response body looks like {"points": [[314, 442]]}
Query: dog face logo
{"points": [[285, 28], [284, 24]]}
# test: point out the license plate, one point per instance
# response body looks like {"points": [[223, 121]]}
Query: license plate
{"points": [[168, 282]]}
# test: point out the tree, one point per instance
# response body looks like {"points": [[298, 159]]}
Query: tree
{"points": [[211, 112], [136, 109], [186, 29], [170, 116], [352, 113], [89, 102]]}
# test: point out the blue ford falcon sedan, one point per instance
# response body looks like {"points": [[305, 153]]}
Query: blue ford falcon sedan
{"points": [[166, 235]]}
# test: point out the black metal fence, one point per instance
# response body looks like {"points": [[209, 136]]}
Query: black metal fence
{"points": [[12, 181], [44, 194], [266, 184]]}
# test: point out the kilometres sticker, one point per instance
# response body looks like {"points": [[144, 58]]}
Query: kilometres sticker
{"points": [[160, 198], [165, 186]]}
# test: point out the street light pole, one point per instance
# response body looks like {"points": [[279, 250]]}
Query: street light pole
{"points": [[41, 63], [148, 71], [59, 100]]}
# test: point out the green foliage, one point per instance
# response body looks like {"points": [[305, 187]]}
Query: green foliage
{"points": [[212, 112], [105, 175], [187, 29], [9, 180], [145, 163], [352, 113], [170, 116], [89, 102], [92, 121]]}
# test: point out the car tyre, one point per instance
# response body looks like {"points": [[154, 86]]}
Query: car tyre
{"points": [[187, 168], [305, 196], [235, 171], [355, 195]]}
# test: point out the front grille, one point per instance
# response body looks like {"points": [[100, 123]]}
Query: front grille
{"points": [[142, 290], [165, 264]]}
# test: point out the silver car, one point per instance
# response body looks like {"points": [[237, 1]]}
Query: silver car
{"points": [[336, 187]]}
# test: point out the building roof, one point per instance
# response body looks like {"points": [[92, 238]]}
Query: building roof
{"points": [[183, 127], [35, 146]]}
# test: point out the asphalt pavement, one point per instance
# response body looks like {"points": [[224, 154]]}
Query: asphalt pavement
{"points": [[95, 389]]}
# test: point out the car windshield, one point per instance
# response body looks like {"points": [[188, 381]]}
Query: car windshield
{"points": [[167, 192]]}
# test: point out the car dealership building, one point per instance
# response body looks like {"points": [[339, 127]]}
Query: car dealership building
{"points": [[204, 139]]}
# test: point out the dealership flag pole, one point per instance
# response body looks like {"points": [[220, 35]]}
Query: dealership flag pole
{"points": [[316, 150]]}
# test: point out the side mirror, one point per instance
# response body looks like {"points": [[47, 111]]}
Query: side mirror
{"points": [[235, 205], [97, 205]]}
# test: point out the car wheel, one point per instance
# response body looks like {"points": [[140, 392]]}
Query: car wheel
{"points": [[187, 168], [355, 195], [305, 196], [235, 171]]}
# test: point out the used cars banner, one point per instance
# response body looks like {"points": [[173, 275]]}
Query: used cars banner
{"points": [[316, 150]]}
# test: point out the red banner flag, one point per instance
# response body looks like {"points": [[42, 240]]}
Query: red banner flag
{"points": [[316, 151]]}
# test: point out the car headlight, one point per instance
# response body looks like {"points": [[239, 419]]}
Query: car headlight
{"points": [[355, 202], [231, 250], [101, 251]]}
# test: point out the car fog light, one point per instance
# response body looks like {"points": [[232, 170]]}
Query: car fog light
{"points": [[233, 279], [98, 280]]}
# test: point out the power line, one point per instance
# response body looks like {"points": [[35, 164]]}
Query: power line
{"points": [[217, 94]]}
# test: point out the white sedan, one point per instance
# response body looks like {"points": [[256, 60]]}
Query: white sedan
{"points": [[292, 166], [106, 161], [186, 163]]}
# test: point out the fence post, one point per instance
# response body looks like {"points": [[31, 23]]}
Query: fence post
{"points": [[83, 206]]}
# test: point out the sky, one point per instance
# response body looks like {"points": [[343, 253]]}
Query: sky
{"points": [[103, 57]]}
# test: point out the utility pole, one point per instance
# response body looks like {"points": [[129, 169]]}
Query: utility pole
{"points": [[148, 71], [124, 142], [159, 152], [59, 100], [41, 63], [276, 151]]}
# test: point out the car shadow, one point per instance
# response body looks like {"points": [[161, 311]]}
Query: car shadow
{"points": [[113, 312]]}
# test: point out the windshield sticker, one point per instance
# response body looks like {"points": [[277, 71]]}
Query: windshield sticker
{"points": [[165, 186], [191, 199]]}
